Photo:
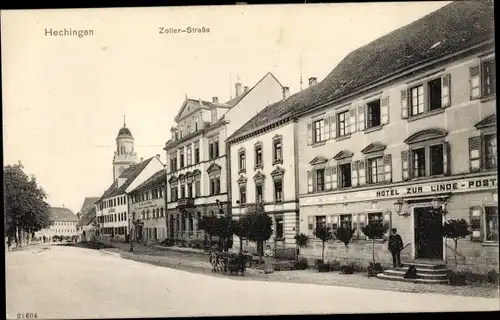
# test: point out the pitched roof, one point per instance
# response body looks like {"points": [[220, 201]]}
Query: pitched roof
{"points": [[87, 218], [203, 104], [156, 179], [451, 29], [129, 174], [88, 204], [58, 214]]}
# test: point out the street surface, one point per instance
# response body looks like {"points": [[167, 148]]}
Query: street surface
{"points": [[69, 282]]}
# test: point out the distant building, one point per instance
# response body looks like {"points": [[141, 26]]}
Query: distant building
{"points": [[125, 156], [86, 217], [197, 172], [147, 204], [62, 223], [112, 209]]}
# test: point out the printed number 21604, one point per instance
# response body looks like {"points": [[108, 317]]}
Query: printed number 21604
{"points": [[29, 315]]}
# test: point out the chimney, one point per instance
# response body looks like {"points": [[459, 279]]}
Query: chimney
{"points": [[245, 89], [215, 99], [158, 156], [286, 92], [238, 89], [313, 81], [79, 215]]}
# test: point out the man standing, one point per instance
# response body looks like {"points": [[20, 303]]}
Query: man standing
{"points": [[395, 246]]}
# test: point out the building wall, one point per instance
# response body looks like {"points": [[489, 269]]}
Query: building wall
{"points": [[458, 120], [153, 166], [268, 91], [143, 210], [59, 228], [113, 211]]}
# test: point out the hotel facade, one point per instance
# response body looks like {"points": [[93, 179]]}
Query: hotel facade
{"points": [[197, 174], [399, 139]]}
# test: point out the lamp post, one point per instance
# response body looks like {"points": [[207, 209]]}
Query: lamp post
{"points": [[130, 232], [398, 206]]}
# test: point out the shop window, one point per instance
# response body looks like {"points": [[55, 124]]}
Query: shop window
{"points": [[320, 222], [346, 221]]}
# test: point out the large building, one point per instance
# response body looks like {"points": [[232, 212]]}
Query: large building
{"points": [[197, 172], [147, 205], [403, 125], [62, 223], [113, 207]]}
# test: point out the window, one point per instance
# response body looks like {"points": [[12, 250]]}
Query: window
{"points": [[320, 180], [189, 155], [483, 79], [258, 156], [259, 193], [278, 191], [343, 124], [434, 87], [319, 130], [243, 195], [345, 175], [417, 100], [376, 170], [197, 187], [320, 222], [196, 153], [214, 185], [373, 114], [213, 149], [375, 218], [489, 79], [181, 158], [418, 156], [242, 161], [491, 223], [346, 221], [436, 158], [183, 190], [216, 149], [190, 190], [277, 151], [279, 227], [490, 151], [181, 131]]}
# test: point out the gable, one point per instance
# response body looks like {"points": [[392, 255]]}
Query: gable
{"points": [[374, 147], [343, 154], [213, 168], [426, 134], [278, 171], [242, 180], [259, 176], [489, 121], [318, 160]]}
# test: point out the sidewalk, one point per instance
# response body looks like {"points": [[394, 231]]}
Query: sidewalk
{"points": [[193, 261]]}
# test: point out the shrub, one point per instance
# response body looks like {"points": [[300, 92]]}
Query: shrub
{"points": [[493, 277], [334, 265], [456, 278], [301, 240], [301, 264], [324, 234]]}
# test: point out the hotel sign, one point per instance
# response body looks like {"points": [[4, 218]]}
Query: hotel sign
{"points": [[405, 190], [462, 185], [149, 204]]}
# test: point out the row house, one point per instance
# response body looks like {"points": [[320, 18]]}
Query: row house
{"points": [[147, 205], [403, 126], [113, 207], [197, 177]]}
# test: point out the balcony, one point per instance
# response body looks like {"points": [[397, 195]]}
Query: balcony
{"points": [[185, 203]]}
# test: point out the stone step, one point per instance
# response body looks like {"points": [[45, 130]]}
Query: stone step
{"points": [[422, 265], [399, 273], [424, 271], [400, 278]]}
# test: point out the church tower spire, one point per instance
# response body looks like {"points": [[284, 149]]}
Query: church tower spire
{"points": [[125, 156]]}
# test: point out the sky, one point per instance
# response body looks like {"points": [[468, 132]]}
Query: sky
{"points": [[65, 98]]}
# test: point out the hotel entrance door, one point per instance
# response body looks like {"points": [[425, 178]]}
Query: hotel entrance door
{"points": [[428, 236]]}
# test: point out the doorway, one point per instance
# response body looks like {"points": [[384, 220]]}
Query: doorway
{"points": [[428, 236]]}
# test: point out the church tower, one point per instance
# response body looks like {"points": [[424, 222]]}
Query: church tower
{"points": [[125, 155]]}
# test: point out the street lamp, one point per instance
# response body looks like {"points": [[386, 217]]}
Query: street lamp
{"points": [[398, 205], [130, 232], [439, 204]]}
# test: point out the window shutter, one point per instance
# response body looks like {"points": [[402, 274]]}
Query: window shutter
{"points": [[474, 81], [333, 127], [405, 165], [361, 117], [310, 188], [446, 158], [352, 118], [475, 224], [314, 180], [309, 134], [327, 128], [404, 104], [361, 225], [361, 173], [354, 174], [334, 177], [384, 110], [388, 168], [475, 153], [328, 178], [446, 90]]}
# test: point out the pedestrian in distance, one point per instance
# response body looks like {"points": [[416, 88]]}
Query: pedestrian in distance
{"points": [[268, 260], [395, 246]]}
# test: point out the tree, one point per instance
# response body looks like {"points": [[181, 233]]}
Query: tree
{"points": [[324, 234], [456, 229], [374, 231], [260, 226], [241, 228], [301, 240], [207, 224], [25, 209], [223, 229], [345, 235]]}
